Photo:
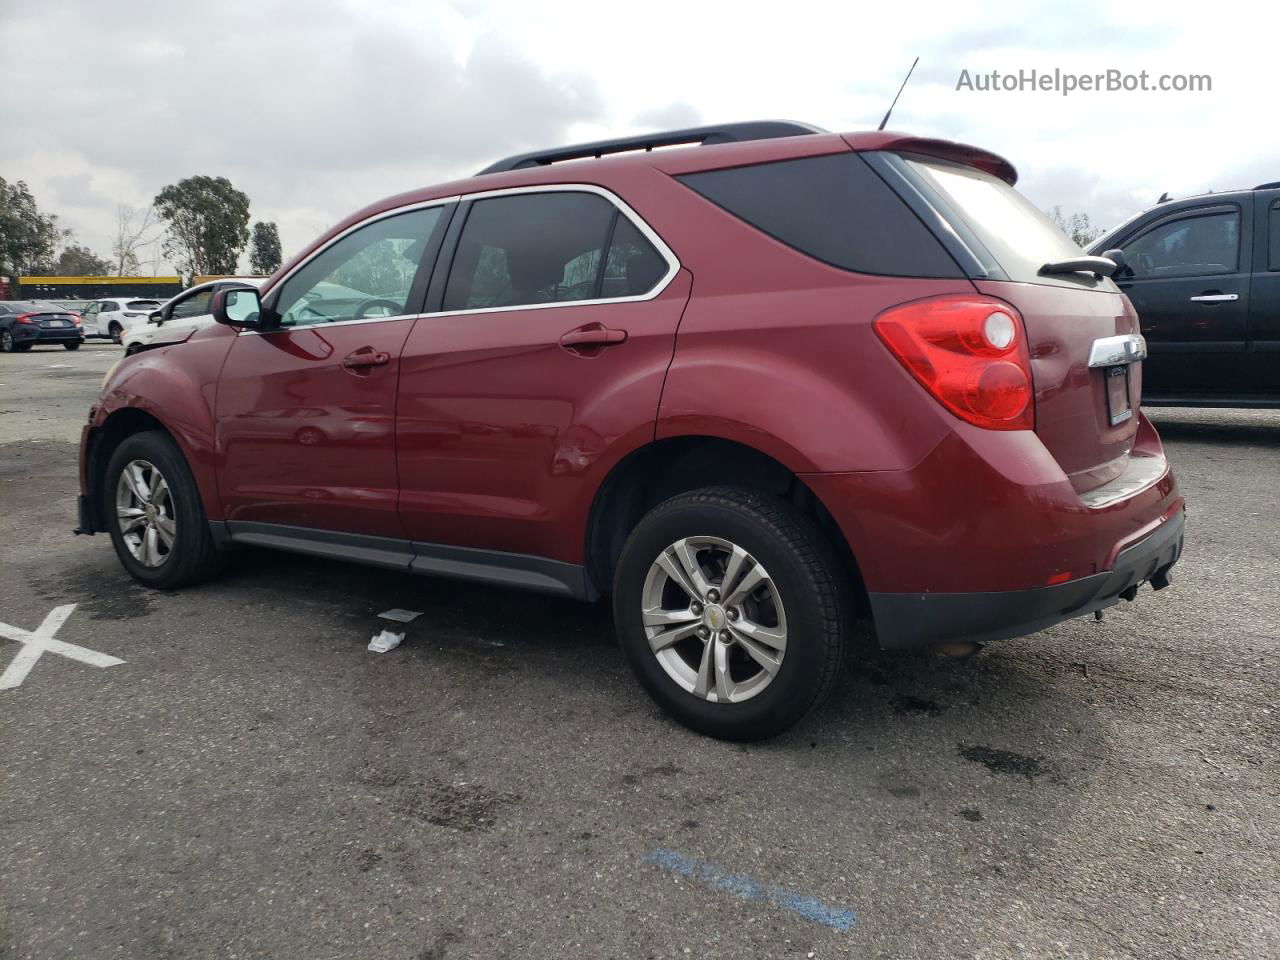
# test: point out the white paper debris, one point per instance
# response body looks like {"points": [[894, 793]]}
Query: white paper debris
{"points": [[385, 641], [400, 616]]}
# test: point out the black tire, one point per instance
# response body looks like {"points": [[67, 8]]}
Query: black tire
{"points": [[7, 344], [116, 331], [130, 350], [193, 557], [806, 573], [72, 346]]}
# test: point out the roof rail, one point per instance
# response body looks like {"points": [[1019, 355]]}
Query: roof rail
{"points": [[724, 133], [1268, 186]]}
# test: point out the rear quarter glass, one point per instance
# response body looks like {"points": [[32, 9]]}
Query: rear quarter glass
{"points": [[833, 208], [1017, 237]]}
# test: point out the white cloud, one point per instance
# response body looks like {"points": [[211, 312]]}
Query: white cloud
{"points": [[315, 108]]}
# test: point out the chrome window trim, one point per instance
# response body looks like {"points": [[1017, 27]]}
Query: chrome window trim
{"points": [[664, 251]]}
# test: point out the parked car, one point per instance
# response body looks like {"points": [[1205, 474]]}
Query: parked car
{"points": [[24, 324], [1204, 276], [113, 316], [756, 390], [178, 318]]}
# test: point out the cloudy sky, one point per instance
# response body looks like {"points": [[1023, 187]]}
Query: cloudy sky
{"points": [[314, 108]]}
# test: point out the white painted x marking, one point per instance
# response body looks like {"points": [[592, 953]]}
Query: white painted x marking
{"points": [[35, 643]]}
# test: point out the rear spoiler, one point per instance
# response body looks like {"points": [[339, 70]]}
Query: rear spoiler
{"points": [[984, 160]]}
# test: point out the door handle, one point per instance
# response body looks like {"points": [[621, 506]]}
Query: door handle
{"points": [[1216, 298], [594, 335], [365, 357]]}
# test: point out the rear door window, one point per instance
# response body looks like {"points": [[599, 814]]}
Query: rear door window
{"points": [[833, 208], [549, 247], [1196, 246]]}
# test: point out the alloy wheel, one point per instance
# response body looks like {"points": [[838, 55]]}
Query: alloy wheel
{"points": [[714, 619], [144, 508]]}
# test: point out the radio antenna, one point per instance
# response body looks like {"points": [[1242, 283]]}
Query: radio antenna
{"points": [[898, 94]]}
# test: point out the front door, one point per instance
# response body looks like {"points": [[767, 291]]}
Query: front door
{"points": [[306, 411], [1188, 278]]}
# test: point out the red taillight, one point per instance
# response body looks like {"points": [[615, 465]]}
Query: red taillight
{"points": [[75, 318], [26, 318], [970, 353]]}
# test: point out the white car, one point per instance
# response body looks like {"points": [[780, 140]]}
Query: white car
{"points": [[175, 320], [114, 316]]}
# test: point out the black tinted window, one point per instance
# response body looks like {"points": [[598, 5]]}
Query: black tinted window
{"points": [[529, 248], [1273, 259], [634, 267], [194, 306], [834, 208], [1188, 247]]}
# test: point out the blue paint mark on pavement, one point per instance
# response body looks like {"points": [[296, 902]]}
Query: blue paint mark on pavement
{"points": [[745, 888]]}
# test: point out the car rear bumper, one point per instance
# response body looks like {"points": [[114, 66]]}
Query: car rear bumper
{"points": [[986, 536], [906, 620], [29, 334]]}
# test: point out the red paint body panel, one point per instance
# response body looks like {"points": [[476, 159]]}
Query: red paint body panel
{"points": [[305, 441], [180, 393], [986, 510], [505, 436], [1071, 408]]}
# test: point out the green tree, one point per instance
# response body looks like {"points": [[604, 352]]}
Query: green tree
{"points": [[264, 249], [75, 260], [208, 224], [1076, 226], [27, 236]]}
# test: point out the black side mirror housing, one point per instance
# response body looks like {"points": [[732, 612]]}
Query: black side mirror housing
{"points": [[237, 307], [156, 317]]}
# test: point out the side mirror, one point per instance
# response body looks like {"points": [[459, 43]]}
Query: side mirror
{"points": [[237, 307], [1117, 257], [156, 317]]}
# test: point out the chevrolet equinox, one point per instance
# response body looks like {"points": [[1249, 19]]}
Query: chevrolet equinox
{"points": [[756, 388]]}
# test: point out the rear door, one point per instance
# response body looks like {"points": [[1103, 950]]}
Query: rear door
{"points": [[1263, 356], [557, 322], [1187, 274], [90, 319], [306, 411]]}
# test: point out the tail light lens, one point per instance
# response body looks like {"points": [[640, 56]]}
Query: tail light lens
{"points": [[970, 353], [26, 318], [76, 319]]}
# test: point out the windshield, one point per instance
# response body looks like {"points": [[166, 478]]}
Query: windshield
{"points": [[1020, 237]]}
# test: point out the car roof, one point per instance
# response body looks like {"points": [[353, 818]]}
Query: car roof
{"points": [[671, 160]]}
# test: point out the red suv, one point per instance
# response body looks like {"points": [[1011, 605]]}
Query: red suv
{"points": [[755, 390]]}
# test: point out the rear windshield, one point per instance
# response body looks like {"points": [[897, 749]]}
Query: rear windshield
{"points": [[1015, 233], [142, 304]]}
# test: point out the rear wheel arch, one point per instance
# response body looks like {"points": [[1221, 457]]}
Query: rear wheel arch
{"points": [[673, 466]]}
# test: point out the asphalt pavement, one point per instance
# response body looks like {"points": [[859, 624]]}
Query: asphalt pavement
{"points": [[251, 781]]}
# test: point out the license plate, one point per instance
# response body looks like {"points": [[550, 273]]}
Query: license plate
{"points": [[57, 323], [1118, 407]]}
